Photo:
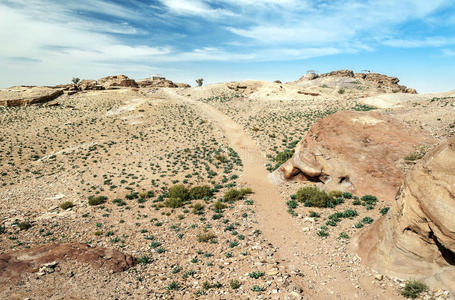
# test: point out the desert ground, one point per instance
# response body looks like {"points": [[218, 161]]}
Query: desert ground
{"points": [[97, 167]]}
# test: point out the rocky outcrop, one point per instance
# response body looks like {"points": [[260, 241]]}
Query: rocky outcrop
{"points": [[111, 82], [90, 85], [381, 81], [384, 81], [160, 82], [339, 73], [357, 152], [416, 239], [28, 95], [13, 265]]}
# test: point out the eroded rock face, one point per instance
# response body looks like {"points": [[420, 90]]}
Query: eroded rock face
{"points": [[90, 85], [339, 73], [357, 152], [28, 95], [110, 82], [416, 239], [13, 265]]}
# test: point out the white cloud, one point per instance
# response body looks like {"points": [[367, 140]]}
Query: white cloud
{"points": [[427, 42], [196, 8], [448, 52]]}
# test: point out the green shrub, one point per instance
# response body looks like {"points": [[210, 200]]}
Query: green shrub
{"points": [[24, 225], [370, 199], [341, 91], [218, 205], [257, 288], [206, 237], [179, 191], [323, 233], [314, 214], [235, 284], [233, 195], [2, 229], [358, 225], [413, 289], [335, 194], [312, 196], [67, 204], [256, 275], [292, 204], [198, 208], [207, 285], [144, 260], [344, 235], [282, 157], [174, 202], [367, 220], [347, 195], [384, 210], [200, 192], [173, 286], [349, 213], [92, 200]]}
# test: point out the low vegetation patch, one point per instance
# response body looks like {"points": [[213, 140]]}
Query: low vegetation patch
{"points": [[67, 204], [233, 195], [96, 200], [413, 289]]}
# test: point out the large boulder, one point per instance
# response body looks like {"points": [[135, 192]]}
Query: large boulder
{"points": [[111, 82], [416, 239], [359, 152], [13, 265], [28, 95]]}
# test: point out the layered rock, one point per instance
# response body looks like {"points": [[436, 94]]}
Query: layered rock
{"points": [[160, 82], [28, 95], [111, 82], [417, 237], [357, 152], [90, 85], [380, 81], [339, 73], [13, 265]]}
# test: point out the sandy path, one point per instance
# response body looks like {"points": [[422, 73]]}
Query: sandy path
{"points": [[277, 224]]}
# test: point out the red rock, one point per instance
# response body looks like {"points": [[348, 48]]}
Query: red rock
{"points": [[416, 239], [357, 152], [13, 265]]}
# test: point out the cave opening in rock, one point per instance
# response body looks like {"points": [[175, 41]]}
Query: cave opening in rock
{"points": [[447, 254]]}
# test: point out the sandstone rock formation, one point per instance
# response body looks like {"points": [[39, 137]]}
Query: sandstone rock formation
{"points": [[357, 152], [110, 82], [380, 81], [13, 265], [416, 239], [339, 73], [28, 95], [90, 85]]}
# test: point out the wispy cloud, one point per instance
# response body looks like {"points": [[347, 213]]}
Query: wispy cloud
{"points": [[448, 52], [426, 42], [102, 36]]}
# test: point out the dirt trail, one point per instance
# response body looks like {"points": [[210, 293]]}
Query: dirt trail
{"points": [[277, 224]]}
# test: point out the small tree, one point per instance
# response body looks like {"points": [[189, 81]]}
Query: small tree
{"points": [[75, 80], [200, 81]]}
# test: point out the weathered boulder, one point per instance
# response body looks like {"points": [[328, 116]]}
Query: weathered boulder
{"points": [[90, 85], [416, 239], [28, 95], [111, 82], [13, 265], [308, 76], [357, 152]]}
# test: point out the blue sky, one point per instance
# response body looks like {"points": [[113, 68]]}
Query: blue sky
{"points": [[52, 41]]}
